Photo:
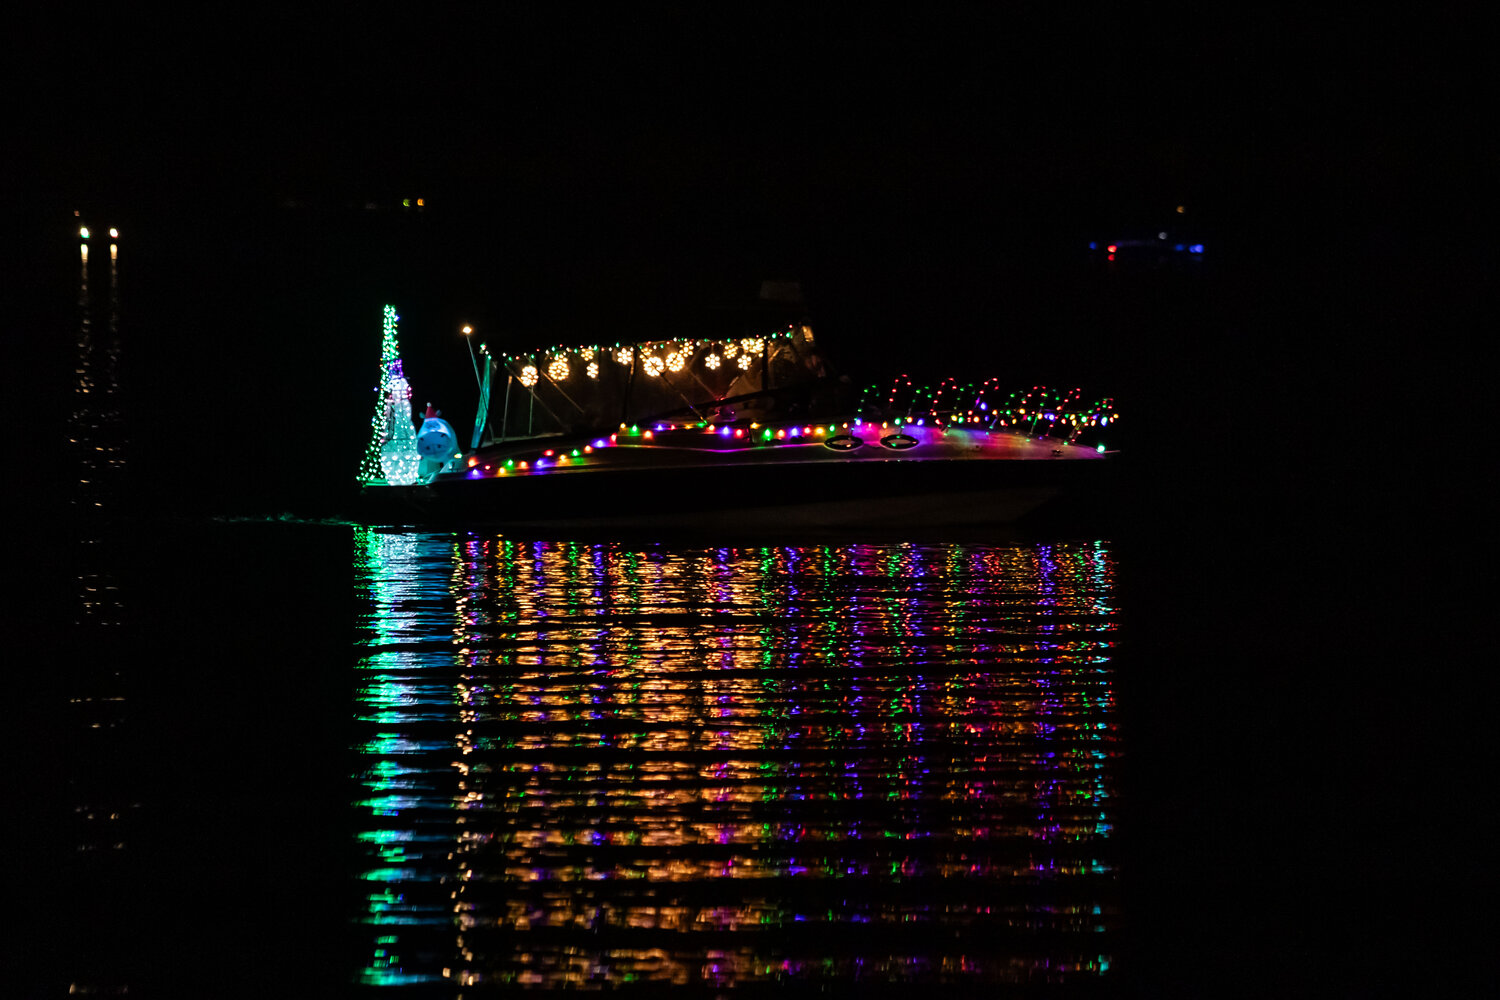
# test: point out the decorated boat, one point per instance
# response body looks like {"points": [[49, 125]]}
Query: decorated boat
{"points": [[753, 431]]}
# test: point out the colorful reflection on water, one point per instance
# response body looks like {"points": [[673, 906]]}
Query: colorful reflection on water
{"points": [[596, 764]]}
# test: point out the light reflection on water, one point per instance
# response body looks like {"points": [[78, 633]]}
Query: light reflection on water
{"points": [[595, 764]]}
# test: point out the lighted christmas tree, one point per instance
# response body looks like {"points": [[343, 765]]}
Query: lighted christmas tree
{"points": [[391, 456]]}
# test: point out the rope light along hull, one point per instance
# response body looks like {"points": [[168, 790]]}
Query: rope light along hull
{"points": [[957, 478], [743, 439]]}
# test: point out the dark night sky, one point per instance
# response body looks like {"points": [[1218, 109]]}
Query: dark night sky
{"points": [[929, 179]]}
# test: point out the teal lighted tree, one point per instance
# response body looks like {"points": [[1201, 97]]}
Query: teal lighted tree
{"points": [[392, 446]]}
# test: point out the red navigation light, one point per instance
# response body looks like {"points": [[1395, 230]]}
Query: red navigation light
{"points": [[1112, 248]]}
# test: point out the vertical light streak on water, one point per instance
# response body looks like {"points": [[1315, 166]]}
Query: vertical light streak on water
{"points": [[405, 708], [720, 766], [114, 446], [96, 452], [102, 790], [83, 417]]}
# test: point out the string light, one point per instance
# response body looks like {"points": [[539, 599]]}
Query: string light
{"points": [[1038, 408], [901, 434]]}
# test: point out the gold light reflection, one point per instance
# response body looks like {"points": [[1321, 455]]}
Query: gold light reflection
{"points": [[691, 742]]}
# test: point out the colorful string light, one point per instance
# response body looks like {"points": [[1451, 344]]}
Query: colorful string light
{"points": [[1039, 409]]}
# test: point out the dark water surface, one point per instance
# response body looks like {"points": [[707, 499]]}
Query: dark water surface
{"points": [[602, 764], [323, 759]]}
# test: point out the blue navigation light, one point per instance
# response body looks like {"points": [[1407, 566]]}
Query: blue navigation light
{"points": [[1093, 245], [1196, 248]]}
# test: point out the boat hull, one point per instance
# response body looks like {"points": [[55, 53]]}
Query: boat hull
{"points": [[897, 492]]}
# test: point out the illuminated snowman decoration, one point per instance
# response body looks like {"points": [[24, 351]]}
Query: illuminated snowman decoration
{"points": [[398, 454], [436, 444]]}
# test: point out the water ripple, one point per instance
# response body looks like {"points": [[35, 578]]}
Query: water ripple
{"points": [[585, 765]]}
